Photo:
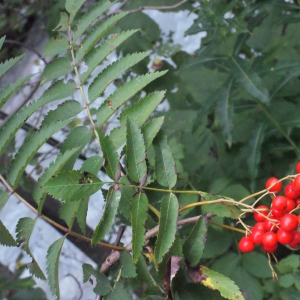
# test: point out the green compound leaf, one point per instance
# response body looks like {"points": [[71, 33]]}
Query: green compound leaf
{"points": [[28, 150], [135, 152], [144, 276], [72, 7], [139, 113], [254, 148], [90, 16], [127, 193], [72, 185], [38, 192], [56, 68], [118, 293], [98, 54], [92, 165], [289, 294], [289, 264], [4, 196], [150, 130], [109, 74], [77, 138], [99, 30], [68, 212], [213, 280], [8, 90], [63, 24], [57, 91], [194, 245], [56, 46], [111, 206], [5, 66], [139, 207], [165, 169], [257, 264], [2, 41], [102, 287], [110, 154], [249, 79], [124, 93], [128, 267], [65, 110], [6, 238], [82, 213], [52, 266], [167, 226], [225, 111], [24, 230]]}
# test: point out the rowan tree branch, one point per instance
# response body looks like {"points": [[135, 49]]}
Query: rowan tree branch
{"points": [[164, 7], [115, 256]]}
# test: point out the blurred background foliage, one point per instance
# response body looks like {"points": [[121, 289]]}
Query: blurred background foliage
{"points": [[232, 108]]}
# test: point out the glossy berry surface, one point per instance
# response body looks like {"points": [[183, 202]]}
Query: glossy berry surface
{"points": [[291, 204], [279, 203], [297, 182], [263, 212], [273, 185], [269, 249], [269, 239], [298, 167], [289, 222], [256, 236], [271, 225], [284, 237], [291, 191], [246, 244], [295, 243]]}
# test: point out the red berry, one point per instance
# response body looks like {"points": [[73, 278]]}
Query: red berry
{"points": [[273, 185], [297, 182], [246, 244], [259, 226], [271, 225], [269, 239], [298, 167], [295, 243], [291, 191], [284, 237], [269, 249], [279, 203], [256, 236], [291, 204], [278, 213], [298, 220], [289, 222], [260, 216]]}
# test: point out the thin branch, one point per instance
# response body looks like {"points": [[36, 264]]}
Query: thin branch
{"points": [[27, 47], [165, 7], [115, 256], [84, 98], [51, 141], [55, 224]]}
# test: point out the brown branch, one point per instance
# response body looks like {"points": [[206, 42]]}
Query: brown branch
{"points": [[51, 141], [50, 210], [165, 7], [115, 256], [27, 47]]}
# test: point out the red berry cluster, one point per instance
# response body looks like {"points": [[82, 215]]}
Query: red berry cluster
{"points": [[277, 224]]}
